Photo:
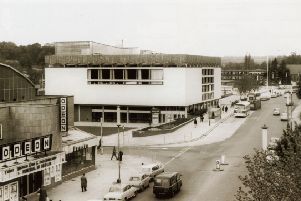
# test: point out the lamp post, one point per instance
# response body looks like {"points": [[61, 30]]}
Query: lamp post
{"points": [[118, 147]]}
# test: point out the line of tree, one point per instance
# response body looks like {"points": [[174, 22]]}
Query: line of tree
{"points": [[26, 58], [274, 175]]}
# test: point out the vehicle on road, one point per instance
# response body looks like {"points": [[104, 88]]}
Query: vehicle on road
{"points": [[255, 102], [265, 96], [167, 183], [152, 170], [274, 95], [276, 111], [121, 192], [283, 116], [140, 181], [242, 109]]}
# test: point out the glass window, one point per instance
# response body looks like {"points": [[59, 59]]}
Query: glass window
{"points": [[106, 74], [94, 74], [118, 74], [132, 74]]}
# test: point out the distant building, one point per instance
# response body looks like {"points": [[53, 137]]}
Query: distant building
{"points": [[148, 89], [229, 75], [92, 48], [295, 71]]}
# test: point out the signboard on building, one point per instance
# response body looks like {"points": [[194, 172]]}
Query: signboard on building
{"points": [[63, 114], [19, 149]]}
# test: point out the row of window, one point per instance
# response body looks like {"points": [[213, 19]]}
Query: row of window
{"points": [[208, 96], [207, 88], [125, 76], [208, 71], [207, 80]]}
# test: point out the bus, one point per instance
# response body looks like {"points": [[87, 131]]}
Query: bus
{"points": [[242, 109]]}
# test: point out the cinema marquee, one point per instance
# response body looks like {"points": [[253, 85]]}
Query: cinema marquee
{"points": [[25, 148]]}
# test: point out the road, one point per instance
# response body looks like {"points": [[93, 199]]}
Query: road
{"points": [[197, 163]]}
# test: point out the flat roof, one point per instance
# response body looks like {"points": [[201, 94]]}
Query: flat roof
{"points": [[171, 60]]}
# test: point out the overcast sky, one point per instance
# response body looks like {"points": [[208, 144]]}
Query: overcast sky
{"points": [[206, 27]]}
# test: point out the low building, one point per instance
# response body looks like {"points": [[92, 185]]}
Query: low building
{"points": [[32, 129], [229, 76], [147, 89]]}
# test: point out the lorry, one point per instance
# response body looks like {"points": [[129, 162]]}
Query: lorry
{"points": [[255, 102]]}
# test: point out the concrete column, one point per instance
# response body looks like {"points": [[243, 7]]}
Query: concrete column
{"points": [[78, 112], [264, 135], [185, 112], [103, 114], [118, 115], [127, 115]]}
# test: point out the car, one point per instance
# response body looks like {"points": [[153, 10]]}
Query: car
{"points": [[140, 181], [283, 116], [167, 183], [274, 95], [121, 192], [276, 111], [152, 170]]}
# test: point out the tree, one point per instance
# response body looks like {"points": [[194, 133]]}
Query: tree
{"points": [[274, 175], [247, 83]]}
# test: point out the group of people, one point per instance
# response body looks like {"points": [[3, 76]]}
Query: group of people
{"points": [[114, 154]]}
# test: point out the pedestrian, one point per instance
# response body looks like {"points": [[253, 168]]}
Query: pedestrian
{"points": [[226, 109], [43, 194], [223, 108], [195, 122], [202, 118], [114, 153], [99, 144], [120, 155], [83, 182]]}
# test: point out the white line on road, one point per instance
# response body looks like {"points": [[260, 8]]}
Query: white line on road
{"points": [[178, 155]]}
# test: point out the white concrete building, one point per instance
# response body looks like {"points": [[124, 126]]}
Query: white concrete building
{"points": [[144, 93]]}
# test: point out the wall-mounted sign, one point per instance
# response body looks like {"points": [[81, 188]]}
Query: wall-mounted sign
{"points": [[19, 149], [63, 114]]}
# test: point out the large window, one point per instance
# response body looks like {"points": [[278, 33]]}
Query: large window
{"points": [[136, 76]]}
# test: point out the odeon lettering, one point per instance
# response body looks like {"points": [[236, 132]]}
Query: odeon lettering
{"points": [[28, 147]]}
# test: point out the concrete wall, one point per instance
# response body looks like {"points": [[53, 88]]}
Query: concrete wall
{"points": [[217, 83], [73, 81]]}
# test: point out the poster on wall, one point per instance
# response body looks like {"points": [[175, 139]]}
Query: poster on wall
{"points": [[6, 193], [58, 173], [47, 178], [1, 193], [14, 191]]}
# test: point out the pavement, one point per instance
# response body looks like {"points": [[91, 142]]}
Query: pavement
{"points": [[99, 180], [188, 135]]}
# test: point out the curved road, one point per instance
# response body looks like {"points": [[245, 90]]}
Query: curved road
{"points": [[200, 182]]}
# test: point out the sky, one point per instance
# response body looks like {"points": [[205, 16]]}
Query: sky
{"points": [[202, 27]]}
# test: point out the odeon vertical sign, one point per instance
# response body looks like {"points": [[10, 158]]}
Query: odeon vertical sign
{"points": [[63, 114]]}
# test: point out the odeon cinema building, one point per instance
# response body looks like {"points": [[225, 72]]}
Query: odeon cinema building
{"points": [[39, 146]]}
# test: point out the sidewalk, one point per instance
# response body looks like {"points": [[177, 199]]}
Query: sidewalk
{"points": [[99, 180]]}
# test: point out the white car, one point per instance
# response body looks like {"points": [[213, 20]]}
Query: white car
{"points": [[121, 192], [283, 116], [276, 111], [152, 170], [273, 95], [140, 181]]}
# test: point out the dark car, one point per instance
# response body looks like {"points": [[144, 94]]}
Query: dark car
{"points": [[167, 183]]}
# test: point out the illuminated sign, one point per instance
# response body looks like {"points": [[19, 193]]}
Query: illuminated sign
{"points": [[19, 149], [63, 114]]}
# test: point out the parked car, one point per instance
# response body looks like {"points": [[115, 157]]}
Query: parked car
{"points": [[140, 181], [121, 192], [167, 183], [276, 111], [152, 170], [283, 116]]}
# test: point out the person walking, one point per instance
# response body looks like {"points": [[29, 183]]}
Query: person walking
{"points": [[114, 153], [83, 182], [226, 109], [202, 117], [43, 194], [223, 108], [195, 122]]}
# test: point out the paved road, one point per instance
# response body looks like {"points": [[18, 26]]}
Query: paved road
{"points": [[197, 163]]}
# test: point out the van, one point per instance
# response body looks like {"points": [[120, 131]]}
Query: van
{"points": [[167, 183]]}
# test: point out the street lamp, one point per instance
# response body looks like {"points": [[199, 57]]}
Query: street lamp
{"points": [[118, 147]]}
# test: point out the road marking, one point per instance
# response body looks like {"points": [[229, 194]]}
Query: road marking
{"points": [[178, 155]]}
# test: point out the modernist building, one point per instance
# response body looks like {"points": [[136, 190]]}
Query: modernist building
{"points": [[230, 75], [91, 48], [147, 88], [36, 137]]}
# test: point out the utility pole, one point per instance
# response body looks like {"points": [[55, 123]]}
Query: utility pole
{"points": [[118, 147]]}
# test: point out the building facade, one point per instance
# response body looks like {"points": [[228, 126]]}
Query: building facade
{"points": [[230, 75], [33, 134], [147, 89]]}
